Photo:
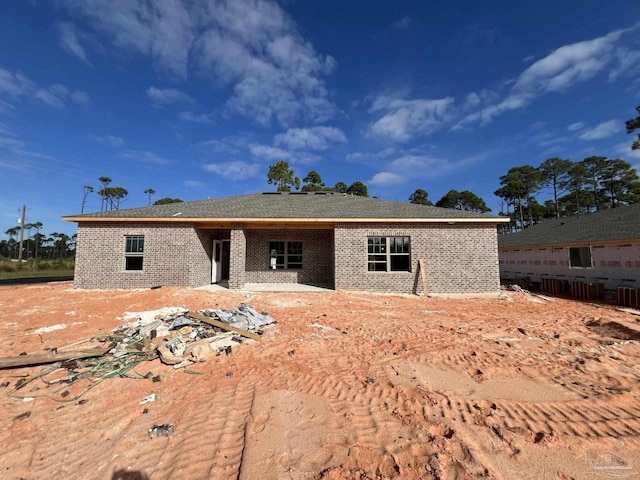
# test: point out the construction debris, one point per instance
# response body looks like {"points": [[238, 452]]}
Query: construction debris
{"points": [[165, 430], [175, 335]]}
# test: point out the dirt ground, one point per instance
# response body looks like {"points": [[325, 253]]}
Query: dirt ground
{"points": [[345, 386]]}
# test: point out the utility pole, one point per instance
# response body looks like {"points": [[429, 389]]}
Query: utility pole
{"points": [[24, 214]]}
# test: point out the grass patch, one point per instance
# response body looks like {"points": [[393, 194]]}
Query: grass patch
{"points": [[36, 269]]}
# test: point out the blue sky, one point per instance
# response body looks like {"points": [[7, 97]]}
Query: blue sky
{"points": [[196, 99]]}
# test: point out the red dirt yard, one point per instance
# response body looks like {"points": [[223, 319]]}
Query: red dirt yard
{"points": [[345, 386]]}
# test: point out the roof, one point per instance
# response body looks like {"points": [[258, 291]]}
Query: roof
{"points": [[621, 223], [311, 206]]}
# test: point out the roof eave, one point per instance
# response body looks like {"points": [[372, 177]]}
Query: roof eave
{"points": [[196, 220]]}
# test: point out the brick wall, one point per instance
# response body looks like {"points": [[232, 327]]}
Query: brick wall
{"points": [[237, 257], [317, 257], [459, 259], [174, 254]]}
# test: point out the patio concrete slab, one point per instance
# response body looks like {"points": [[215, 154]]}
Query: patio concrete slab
{"points": [[283, 287], [269, 287]]}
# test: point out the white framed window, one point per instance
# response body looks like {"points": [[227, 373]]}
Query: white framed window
{"points": [[389, 254], [133, 252], [580, 257], [285, 255]]}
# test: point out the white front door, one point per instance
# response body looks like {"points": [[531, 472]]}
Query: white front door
{"points": [[216, 262]]}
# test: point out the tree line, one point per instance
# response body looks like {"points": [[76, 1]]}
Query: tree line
{"points": [[39, 246], [284, 178], [112, 197], [593, 184]]}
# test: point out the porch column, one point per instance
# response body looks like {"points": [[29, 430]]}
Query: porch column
{"points": [[238, 257]]}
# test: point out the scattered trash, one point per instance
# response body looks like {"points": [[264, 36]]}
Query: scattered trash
{"points": [[164, 430], [369, 380], [149, 398], [52, 328], [175, 335], [22, 416], [320, 326]]}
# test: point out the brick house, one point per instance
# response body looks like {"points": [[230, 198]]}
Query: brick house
{"points": [[340, 241], [595, 248]]}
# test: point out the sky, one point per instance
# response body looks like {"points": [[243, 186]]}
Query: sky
{"points": [[195, 99]]}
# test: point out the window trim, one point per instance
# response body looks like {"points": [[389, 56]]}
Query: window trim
{"points": [[138, 254], [588, 248], [286, 265], [386, 246]]}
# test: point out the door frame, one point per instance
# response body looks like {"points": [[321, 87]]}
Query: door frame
{"points": [[216, 261]]}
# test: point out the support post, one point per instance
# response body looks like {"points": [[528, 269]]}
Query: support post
{"points": [[24, 214]]}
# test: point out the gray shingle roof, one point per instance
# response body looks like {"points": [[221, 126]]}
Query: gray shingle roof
{"points": [[288, 206], [614, 224]]}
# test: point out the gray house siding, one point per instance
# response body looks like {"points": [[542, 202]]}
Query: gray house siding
{"points": [[459, 259]]}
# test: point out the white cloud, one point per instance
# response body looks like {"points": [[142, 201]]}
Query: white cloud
{"points": [[416, 165], [205, 118], [145, 157], [386, 178], [48, 98], [17, 85], [401, 23], [407, 119], [165, 96], [557, 72], [575, 126], [270, 153], [220, 146], [194, 184], [360, 156], [314, 138], [253, 46], [81, 98], [628, 64], [624, 151], [602, 130], [70, 41], [234, 170], [110, 140], [568, 64]]}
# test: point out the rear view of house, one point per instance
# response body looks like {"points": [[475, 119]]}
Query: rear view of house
{"points": [[339, 241]]}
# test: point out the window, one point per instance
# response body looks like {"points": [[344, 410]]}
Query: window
{"points": [[388, 254], [133, 252], [285, 255], [580, 257]]}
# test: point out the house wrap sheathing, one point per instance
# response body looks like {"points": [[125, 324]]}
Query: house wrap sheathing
{"points": [[600, 247]]}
